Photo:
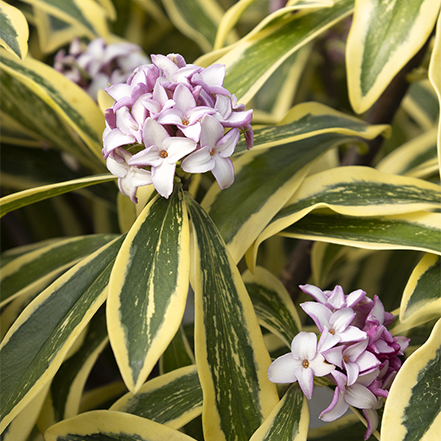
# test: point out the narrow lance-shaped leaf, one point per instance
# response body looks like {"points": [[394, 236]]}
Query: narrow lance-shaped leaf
{"points": [[26, 197], [412, 410], [67, 386], [415, 231], [254, 58], [309, 119], [265, 180], [37, 343], [171, 399], [435, 78], [352, 191], [112, 426], [14, 30], [148, 287], [88, 15], [230, 353], [421, 300], [384, 36], [42, 99], [288, 421], [274, 308], [198, 19], [35, 267], [177, 355]]}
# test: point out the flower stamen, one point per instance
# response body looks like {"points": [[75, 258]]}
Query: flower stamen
{"points": [[305, 364], [163, 154]]}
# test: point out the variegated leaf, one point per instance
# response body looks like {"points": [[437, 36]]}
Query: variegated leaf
{"points": [[412, 409], [198, 19], [421, 299], [112, 426], [253, 59], [36, 194], [14, 30], [384, 36], [288, 421], [148, 287], [352, 191], [415, 231], [435, 78], [345, 428], [88, 15], [274, 308], [67, 386], [36, 267], [310, 119], [21, 426], [53, 32], [37, 343], [49, 104], [265, 180], [230, 353], [171, 399], [409, 158], [177, 355]]}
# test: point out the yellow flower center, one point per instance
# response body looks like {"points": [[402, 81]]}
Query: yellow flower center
{"points": [[163, 154], [305, 364]]}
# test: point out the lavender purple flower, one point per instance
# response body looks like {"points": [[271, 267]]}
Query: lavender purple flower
{"points": [[356, 353], [95, 66], [172, 114]]}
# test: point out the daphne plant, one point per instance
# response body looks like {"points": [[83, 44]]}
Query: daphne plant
{"points": [[151, 259], [361, 361], [167, 112]]}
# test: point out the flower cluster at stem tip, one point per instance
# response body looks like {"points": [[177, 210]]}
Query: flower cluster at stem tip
{"points": [[355, 352], [98, 64], [172, 114]]}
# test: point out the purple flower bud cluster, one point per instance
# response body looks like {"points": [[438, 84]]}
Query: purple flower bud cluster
{"points": [[95, 66], [355, 352], [168, 114]]}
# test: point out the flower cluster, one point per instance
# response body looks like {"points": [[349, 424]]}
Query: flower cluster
{"points": [[355, 351], [171, 112], [95, 66]]}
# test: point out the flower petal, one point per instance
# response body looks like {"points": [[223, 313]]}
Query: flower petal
{"points": [[199, 161], [163, 177], [223, 171], [305, 377], [177, 148], [360, 396], [304, 346], [282, 369], [211, 131], [153, 133], [336, 409], [319, 313]]}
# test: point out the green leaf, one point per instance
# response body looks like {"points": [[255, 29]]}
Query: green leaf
{"points": [[148, 287], [352, 191], [197, 19], [21, 426], [253, 59], [384, 36], [110, 425], [421, 299], [412, 156], [435, 78], [288, 421], [177, 355], [68, 384], [49, 104], [265, 180], [88, 15], [37, 266], [416, 231], [14, 30], [27, 197], [412, 410], [37, 343], [310, 119], [172, 399], [274, 308], [230, 353]]}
